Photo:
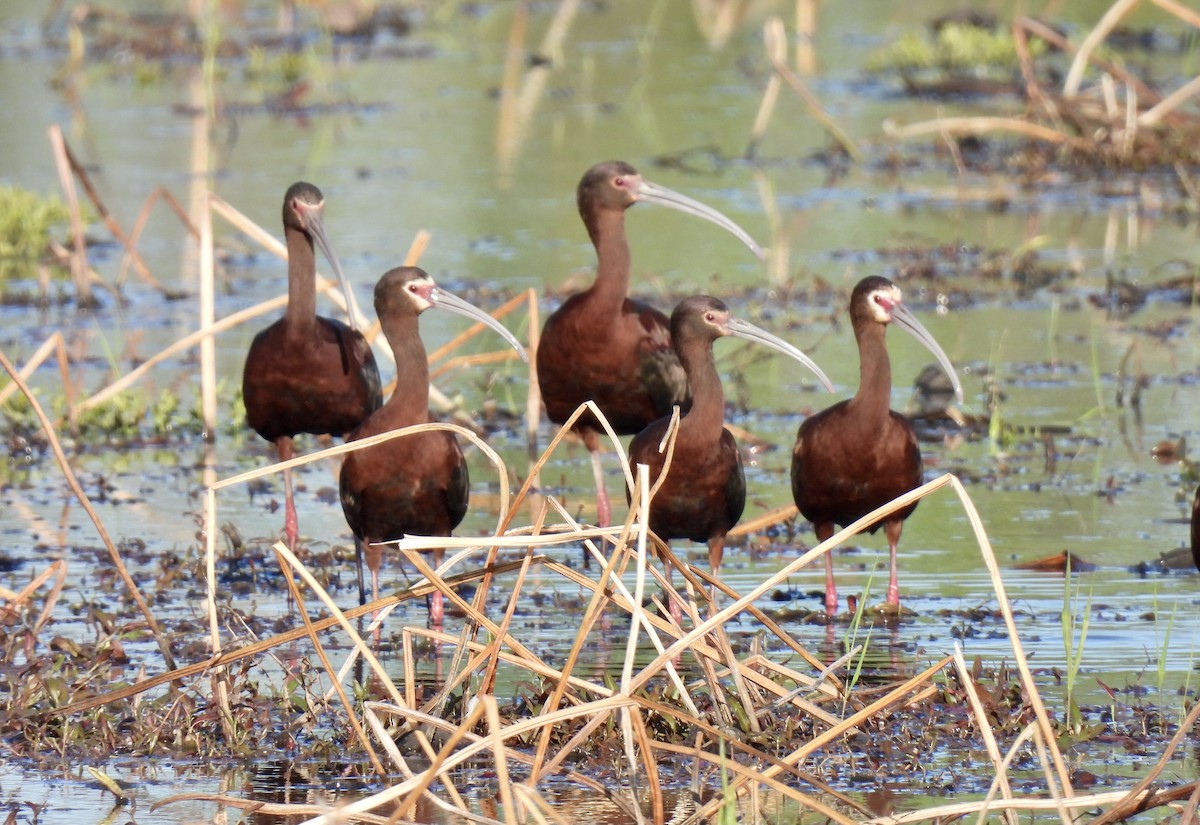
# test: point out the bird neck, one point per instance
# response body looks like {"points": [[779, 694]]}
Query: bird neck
{"points": [[873, 400], [409, 403], [301, 313], [706, 417], [607, 231]]}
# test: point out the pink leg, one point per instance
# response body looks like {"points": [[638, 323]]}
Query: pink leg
{"points": [[823, 532], [603, 509], [291, 526], [437, 608], [893, 528]]}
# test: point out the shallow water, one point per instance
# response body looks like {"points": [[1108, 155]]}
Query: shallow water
{"points": [[400, 143]]}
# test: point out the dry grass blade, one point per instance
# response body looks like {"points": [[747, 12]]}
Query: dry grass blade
{"points": [[131, 253], [57, 569], [981, 125], [1130, 803], [1095, 37], [776, 51], [53, 344], [1170, 103], [749, 775], [227, 657], [774, 31], [989, 738], [78, 260], [334, 676], [251, 806], [131, 256], [85, 502]]}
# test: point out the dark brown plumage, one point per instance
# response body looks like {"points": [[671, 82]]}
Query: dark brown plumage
{"points": [[704, 492], [416, 484], [1196, 529], [603, 346], [306, 373], [858, 454]]}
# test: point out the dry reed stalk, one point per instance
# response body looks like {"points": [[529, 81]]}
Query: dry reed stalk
{"points": [[717, 19], [848, 724], [187, 342], [131, 255], [52, 345], [1187, 15], [352, 717], [1094, 38], [265, 809], [450, 759], [779, 252], [999, 763], [114, 228], [57, 569], [79, 265], [507, 121], [773, 29], [770, 624], [641, 495], [1132, 801], [806, 33], [1041, 30], [493, 660], [208, 347], [1153, 116], [85, 502], [980, 125], [533, 401], [513, 119], [228, 657], [500, 758], [944, 813], [416, 248], [752, 777], [766, 107], [767, 519]]}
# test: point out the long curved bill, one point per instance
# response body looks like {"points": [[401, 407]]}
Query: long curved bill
{"points": [[441, 298], [747, 330], [654, 193], [316, 226], [909, 323]]}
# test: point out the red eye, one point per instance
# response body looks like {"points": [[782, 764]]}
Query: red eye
{"points": [[618, 182], [708, 316]]}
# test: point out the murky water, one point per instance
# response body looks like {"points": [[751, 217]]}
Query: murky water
{"points": [[405, 135]]}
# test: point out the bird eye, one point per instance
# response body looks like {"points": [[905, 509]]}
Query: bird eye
{"points": [[618, 181], [708, 316]]}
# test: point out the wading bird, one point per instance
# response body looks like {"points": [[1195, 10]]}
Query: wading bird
{"points": [[858, 454], [601, 345], [704, 491], [306, 373], [414, 484], [1196, 529]]}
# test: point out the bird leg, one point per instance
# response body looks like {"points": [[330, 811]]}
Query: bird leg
{"points": [[673, 604], [893, 529], [716, 550], [603, 509], [824, 531], [437, 608], [358, 563], [291, 527]]}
